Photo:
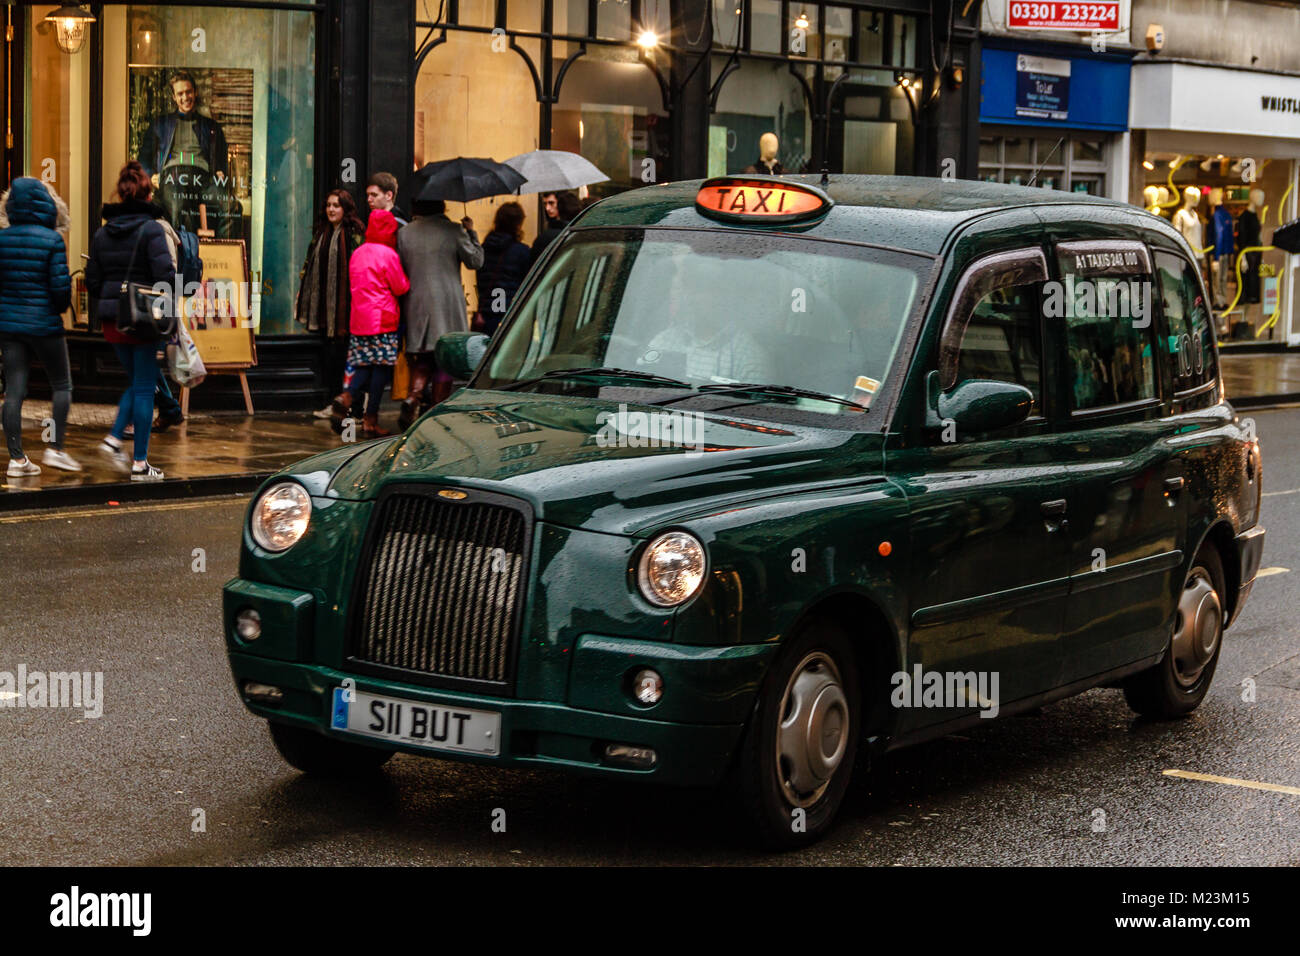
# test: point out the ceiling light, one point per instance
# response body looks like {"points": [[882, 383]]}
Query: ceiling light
{"points": [[1147, 164], [801, 22]]}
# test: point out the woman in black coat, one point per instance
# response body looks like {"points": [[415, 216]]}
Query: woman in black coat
{"points": [[135, 221], [505, 263]]}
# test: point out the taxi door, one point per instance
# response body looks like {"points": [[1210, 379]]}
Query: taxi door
{"points": [[989, 574], [1125, 504]]}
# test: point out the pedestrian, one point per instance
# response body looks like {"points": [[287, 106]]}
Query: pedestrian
{"points": [[561, 209], [432, 249], [505, 263], [324, 297], [377, 280], [381, 193], [134, 221], [35, 291]]}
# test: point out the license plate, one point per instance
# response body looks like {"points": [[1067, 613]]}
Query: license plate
{"points": [[422, 725]]}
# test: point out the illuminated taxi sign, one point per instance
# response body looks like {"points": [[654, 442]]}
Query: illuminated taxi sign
{"points": [[760, 199]]}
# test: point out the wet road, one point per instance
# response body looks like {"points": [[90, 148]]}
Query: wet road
{"points": [[119, 590]]}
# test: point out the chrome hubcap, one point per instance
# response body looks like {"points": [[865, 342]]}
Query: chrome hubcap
{"points": [[814, 732], [1198, 628]]}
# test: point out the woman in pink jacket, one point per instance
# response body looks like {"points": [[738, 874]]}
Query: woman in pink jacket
{"points": [[377, 280]]}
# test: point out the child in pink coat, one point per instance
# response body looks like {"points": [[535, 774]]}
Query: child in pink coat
{"points": [[377, 280]]}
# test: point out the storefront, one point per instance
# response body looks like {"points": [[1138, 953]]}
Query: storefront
{"points": [[1216, 151], [1054, 116], [84, 98]]}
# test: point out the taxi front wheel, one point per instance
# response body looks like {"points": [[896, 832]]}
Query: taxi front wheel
{"points": [[1177, 685], [321, 756], [797, 754]]}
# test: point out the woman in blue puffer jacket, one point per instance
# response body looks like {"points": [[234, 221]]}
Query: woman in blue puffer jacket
{"points": [[35, 291]]}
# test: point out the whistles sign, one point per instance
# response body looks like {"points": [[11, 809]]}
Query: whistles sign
{"points": [[1030, 15], [757, 199]]}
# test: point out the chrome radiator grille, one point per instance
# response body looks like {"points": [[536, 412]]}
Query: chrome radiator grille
{"points": [[442, 588]]}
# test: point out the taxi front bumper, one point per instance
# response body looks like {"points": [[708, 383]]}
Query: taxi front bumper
{"points": [[533, 733]]}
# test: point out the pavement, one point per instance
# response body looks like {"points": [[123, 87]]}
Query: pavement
{"points": [[209, 453], [229, 452], [176, 772]]}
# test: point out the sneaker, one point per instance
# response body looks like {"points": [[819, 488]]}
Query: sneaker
{"points": [[146, 473], [58, 458], [111, 447], [324, 412], [23, 469]]}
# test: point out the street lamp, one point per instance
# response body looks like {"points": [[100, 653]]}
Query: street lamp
{"points": [[70, 22]]}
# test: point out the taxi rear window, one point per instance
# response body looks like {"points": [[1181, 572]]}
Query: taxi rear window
{"points": [[717, 307]]}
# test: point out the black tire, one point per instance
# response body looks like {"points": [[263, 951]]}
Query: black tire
{"points": [[1158, 691], [757, 778], [322, 756]]}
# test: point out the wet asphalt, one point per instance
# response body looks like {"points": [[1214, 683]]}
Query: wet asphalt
{"points": [[119, 590]]}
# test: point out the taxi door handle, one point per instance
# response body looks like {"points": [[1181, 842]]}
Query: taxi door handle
{"points": [[1053, 509], [1175, 484]]}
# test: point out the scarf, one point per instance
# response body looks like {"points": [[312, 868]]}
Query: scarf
{"points": [[323, 295]]}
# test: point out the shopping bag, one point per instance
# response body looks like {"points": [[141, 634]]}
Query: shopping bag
{"points": [[401, 377], [183, 362]]}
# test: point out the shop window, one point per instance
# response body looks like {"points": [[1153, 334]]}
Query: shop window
{"points": [[871, 36], [570, 16], [760, 97], [727, 22], [903, 52], [477, 13], [614, 19], [1190, 332], [1074, 163], [765, 26], [237, 165]]}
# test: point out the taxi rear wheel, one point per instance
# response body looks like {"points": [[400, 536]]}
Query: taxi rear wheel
{"points": [[1177, 685], [322, 756], [797, 755]]}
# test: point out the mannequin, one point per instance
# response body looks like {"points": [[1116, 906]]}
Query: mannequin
{"points": [[1187, 221], [1220, 242], [1162, 200], [1151, 199], [768, 164], [1248, 233]]}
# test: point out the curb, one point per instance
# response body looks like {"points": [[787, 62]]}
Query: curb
{"points": [[131, 491]]}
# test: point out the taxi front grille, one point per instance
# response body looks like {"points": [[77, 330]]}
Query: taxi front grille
{"points": [[441, 590]]}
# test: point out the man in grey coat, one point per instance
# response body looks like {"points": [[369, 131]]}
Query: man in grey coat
{"points": [[432, 249]]}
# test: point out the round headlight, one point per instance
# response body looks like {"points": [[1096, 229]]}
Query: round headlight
{"points": [[280, 516], [671, 569]]}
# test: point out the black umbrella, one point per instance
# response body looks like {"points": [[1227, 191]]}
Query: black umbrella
{"points": [[1287, 237], [463, 180]]}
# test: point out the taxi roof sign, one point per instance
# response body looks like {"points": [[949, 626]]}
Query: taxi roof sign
{"points": [[760, 199]]}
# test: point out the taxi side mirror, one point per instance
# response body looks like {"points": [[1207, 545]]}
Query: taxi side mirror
{"points": [[980, 405], [459, 353]]}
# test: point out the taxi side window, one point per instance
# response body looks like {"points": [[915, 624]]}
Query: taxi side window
{"points": [[1104, 302], [994, 330], [1189, 334], [1004, 341]]}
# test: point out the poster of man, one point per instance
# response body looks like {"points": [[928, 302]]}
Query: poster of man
{"points": [[192, 130]]}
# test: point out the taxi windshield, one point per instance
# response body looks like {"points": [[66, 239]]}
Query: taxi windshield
{"points": [[707, 309]]}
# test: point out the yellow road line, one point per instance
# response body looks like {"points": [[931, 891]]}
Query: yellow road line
{"points": [[1232, 781], [71, 513], [1269, 572]]}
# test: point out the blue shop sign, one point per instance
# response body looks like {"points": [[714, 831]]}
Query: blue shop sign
{"points": [[1042, 86]]}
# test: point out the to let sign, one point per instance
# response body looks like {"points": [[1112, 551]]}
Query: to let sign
{"points": [[1042, 87], [1030, 15]]}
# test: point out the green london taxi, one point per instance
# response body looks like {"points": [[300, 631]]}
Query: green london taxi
{"points": [[761, 478]]}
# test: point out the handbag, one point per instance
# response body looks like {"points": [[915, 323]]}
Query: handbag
{"points": [[401, 377], [142, 311], [184, 363]]}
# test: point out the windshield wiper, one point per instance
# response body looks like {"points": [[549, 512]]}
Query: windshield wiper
{"points": [[596, 370], [792, 391]]}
